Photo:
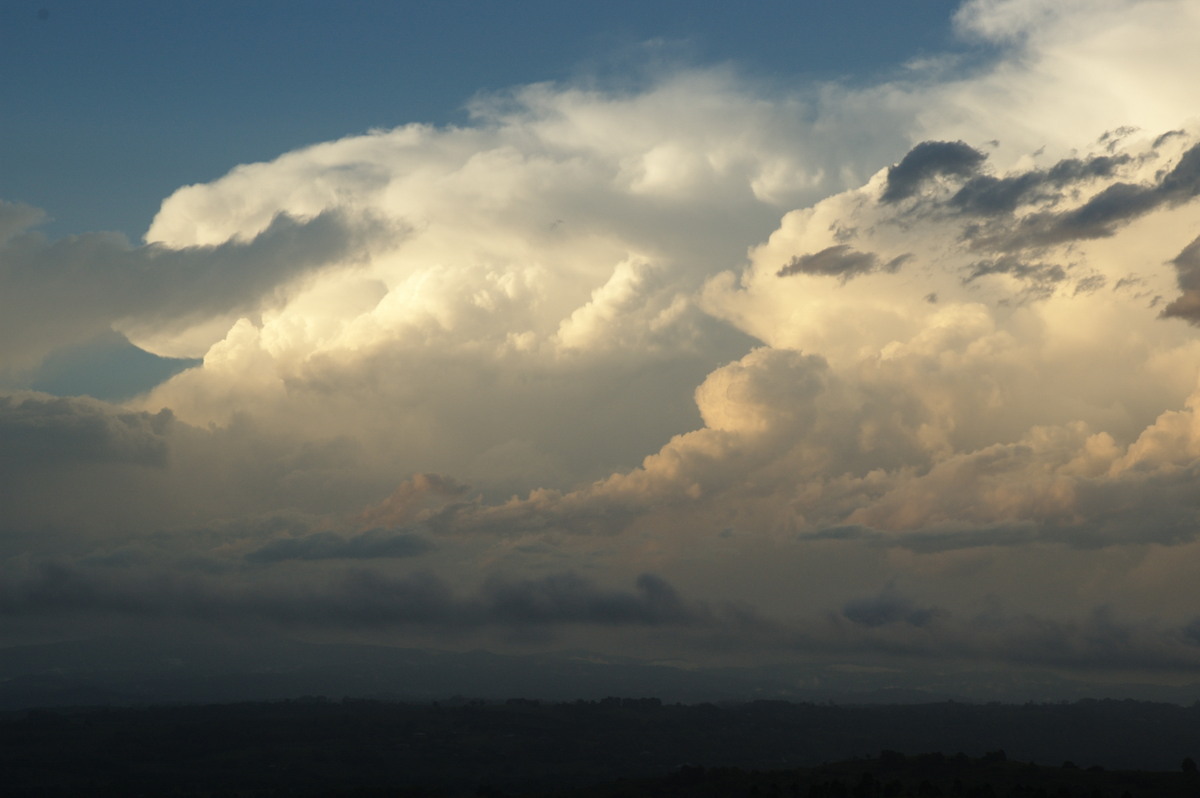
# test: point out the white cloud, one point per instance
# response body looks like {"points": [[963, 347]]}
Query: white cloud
{"points": [[1076, 69]]}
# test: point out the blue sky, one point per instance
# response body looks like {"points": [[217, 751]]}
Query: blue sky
{"points": [[789, 332], [109, 107]]}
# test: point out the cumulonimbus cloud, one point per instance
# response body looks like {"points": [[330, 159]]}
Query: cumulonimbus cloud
{"points": [[801, 346]]}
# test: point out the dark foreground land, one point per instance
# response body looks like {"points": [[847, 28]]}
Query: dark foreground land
{"points": [[613, 747]]}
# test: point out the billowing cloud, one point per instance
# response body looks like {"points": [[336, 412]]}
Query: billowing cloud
{"points": [[855, 360], [970, 411]]}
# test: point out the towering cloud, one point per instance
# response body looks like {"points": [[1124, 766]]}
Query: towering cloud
{"points": [[827, 371]]}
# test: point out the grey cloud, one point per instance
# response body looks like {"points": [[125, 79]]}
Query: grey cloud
{"points": [[927, 160], [1158, 142], [1139, 507], [1191, 632], [1100, 639], [424, 497], [355, 598], [841, 261], [841, 533], [567, 598], [58, 293], [1095, 639], [1037, 275], [1090, 283], [1072, 170], [1099, 217], [236, 274], [887, 608], [934, 541], [927, 541], [359, 598], [985, 195], [1113, 137], [1187, 273], [372, 544], [43, 431], [78, 466], [1159, 509], [1183, 182]]}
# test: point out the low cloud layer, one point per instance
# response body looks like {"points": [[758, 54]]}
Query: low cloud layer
{"points": [[350, 598]]}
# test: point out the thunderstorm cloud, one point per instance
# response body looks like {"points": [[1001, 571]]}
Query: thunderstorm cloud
{"points": [[675, 370]]}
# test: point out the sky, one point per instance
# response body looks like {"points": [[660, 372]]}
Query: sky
{"points": [[859, 333]]}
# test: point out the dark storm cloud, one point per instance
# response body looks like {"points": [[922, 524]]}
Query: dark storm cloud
{"points": [[927, 160], [43, 431], [1187, 273], [372, 544], [359, 598], [841, 261]]}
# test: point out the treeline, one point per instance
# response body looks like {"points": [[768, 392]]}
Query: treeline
{"points": [[894, 774], [314, 746]]}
